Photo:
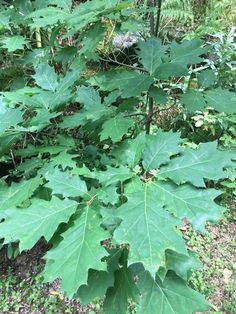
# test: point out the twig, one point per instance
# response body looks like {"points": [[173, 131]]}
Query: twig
{"points": [[150, 114], [159, 3], [124, 64], [136, 114], [13, 158]]}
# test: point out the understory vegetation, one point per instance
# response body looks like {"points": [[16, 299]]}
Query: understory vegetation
{"points": [[117, 156]]}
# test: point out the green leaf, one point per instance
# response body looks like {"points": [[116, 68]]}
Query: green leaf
{"points": [[79, 251], [159, 148], [150, 54], [91, 40], [67, 81], [115, 128], [4, 20], [64, 4], [206, 162], [170, 297], [130, 83], [42, 119], [222, 100], [73, 121], [158, 94], [206, 78], [7, 139], [135, 87], [65, 160], [93, 108], [113, 175], [89, 97], [187, 52], [17, 193], [193, 100], [40, 219], [181, 264], [111, 80], [45, 77], [148, 229], [10, 118], [65, 184], [167, 70], [47, 16], [116, 301], [129, 152], [87, 12], [99, 281], [14, 43], [108, 195], [197, 205]]}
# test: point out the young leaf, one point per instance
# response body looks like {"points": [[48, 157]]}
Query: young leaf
{"points": [[40, 219], [148, 229], [79, 251], [159, 148], [115, 128], [150, 54], [206, 162], [46, 77]]}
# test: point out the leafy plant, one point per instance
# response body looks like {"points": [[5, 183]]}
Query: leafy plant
{"points": [[85, 176]]}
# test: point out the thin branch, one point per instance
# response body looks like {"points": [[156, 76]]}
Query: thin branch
{"points": [[124, 64], [136, 114], [157, 26], [149, 115]]}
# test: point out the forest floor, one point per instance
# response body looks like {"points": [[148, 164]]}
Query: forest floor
{"points": [[22, 290]]}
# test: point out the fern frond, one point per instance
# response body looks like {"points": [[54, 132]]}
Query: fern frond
{"points": [[179, 10]]}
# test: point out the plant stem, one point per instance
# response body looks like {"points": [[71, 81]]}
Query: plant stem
{"points": [[151, 3], [38, 38], [150, 114], [157, 26]]}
